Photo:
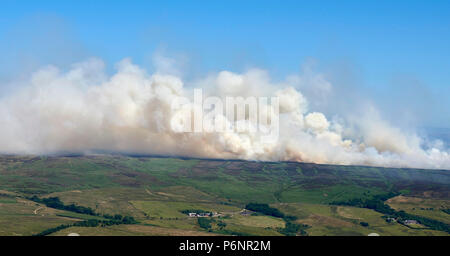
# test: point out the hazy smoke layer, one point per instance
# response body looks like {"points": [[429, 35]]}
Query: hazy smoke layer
{"points": [[83, 110]]}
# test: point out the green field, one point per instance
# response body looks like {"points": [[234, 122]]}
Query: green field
{"points": [[155, 191]]}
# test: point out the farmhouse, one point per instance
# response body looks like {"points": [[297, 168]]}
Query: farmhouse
{"points": [[408, 222], [204, 214]]}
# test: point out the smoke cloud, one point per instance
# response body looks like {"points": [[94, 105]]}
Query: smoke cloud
{"points": [[84, 110]]}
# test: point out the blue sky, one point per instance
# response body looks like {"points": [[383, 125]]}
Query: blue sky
{"points": [[386, 44]]}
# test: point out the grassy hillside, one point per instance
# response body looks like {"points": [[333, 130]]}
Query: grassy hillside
{"points": [[155, 191]]}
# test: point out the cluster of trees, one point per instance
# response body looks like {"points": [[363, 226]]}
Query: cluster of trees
{"points": [[291, 229], [221, 225], [120, 218], [364, 224], [89, 223], [289, 218], [446, 211], [376, 203], [205, 223], [264, 209], [55, 202], [53, 230]]}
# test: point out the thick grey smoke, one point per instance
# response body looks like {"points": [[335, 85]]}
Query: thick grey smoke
{"points": [[84, 110]]}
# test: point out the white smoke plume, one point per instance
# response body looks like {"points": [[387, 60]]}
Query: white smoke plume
{"points": [[84, 110]]}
